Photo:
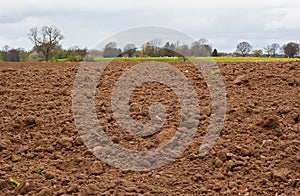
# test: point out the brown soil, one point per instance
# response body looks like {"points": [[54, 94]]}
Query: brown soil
{"points": [[257, 152]]}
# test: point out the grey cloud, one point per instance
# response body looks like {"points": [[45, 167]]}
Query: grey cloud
{"points": [[87, 23]]}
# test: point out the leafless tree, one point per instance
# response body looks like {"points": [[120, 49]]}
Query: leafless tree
{"points": [[243, 48], [155, 43], [185, 50], [272, 49], [200, 48], [129, 50], [202, 41], [6, 48], [45, 39]]}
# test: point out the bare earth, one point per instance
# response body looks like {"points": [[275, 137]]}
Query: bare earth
{"points": [[257, 152]]}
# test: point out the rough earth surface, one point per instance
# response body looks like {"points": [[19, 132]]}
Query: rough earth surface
{"points": [[257, 152]]}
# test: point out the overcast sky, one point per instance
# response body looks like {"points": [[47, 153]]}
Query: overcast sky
{"points": [[86, 23]]}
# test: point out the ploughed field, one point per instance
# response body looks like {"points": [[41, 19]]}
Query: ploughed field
{"points": [[257, 153]]}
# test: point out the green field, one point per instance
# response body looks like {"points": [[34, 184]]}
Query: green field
{"points": [[252, 59], [197, 59], [203, 59]]}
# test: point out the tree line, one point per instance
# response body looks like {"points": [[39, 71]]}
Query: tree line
{"points": [[47, 47]]}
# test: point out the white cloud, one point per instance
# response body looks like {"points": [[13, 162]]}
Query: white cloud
{"points": [[283, 18], [15, 34]]}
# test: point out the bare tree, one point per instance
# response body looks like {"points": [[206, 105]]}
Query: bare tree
{"points": [[6, 48], [155, 43], [243, 48], [268, 50], [200, 48], [185, 50], [272, 49], [203, 41], [291, 49], [129, 50], [45, 40]]}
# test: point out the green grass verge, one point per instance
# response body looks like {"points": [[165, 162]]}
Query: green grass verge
{"points": [[62, 60], [252, 59], [137, 59], [202, 59], [196, 59]]}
